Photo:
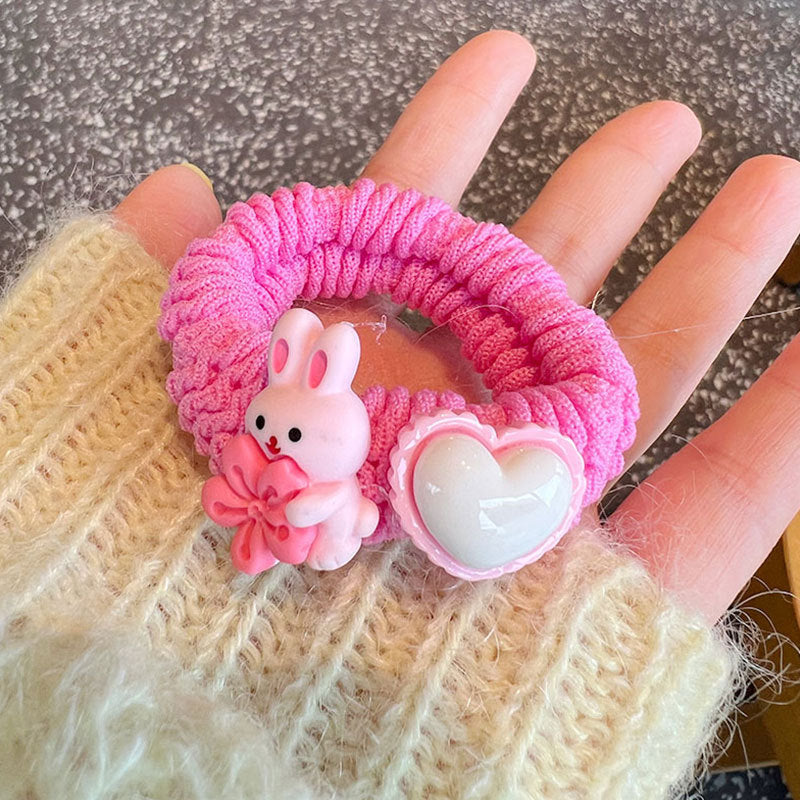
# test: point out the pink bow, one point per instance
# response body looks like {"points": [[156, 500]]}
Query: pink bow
{"points": [[251, 494]]}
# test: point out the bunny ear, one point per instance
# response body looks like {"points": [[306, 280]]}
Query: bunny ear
{"points": [[293, 337], [334, 359]]}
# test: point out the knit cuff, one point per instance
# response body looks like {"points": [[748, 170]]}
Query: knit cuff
{"points": [[576, 677], [626, 688]]}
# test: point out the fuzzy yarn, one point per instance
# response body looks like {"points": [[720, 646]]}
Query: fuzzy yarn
{"points": [[575, 678], [95, 716], [545, 358]]}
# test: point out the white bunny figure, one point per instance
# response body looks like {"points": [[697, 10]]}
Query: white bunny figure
{"points": [[309, 413]]}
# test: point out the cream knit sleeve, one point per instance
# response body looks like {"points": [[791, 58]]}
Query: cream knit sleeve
{"points": [[575, 678]]}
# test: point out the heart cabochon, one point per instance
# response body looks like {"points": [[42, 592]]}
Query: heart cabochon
{"points": [[481, 502]]}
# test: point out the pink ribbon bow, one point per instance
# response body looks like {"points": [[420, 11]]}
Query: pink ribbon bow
{"points": [[251, 494]]}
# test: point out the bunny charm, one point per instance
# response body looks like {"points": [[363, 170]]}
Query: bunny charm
{"points": [[289, 484]]}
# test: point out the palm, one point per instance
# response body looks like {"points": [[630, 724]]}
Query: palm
{"points": [[736, 505]]}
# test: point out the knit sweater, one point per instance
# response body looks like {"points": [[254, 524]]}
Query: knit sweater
{"points": [[576, 677]]}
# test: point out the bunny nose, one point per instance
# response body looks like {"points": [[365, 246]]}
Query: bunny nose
{"points": [[272, 445]]}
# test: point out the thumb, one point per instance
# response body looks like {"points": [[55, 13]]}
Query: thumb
{"points": [[168, 209]]}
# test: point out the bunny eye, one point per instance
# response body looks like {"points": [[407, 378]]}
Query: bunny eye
{"points": [[260, 422], [294, 434]]}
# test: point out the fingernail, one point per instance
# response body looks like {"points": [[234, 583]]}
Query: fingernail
{"points": [[200, 172]]}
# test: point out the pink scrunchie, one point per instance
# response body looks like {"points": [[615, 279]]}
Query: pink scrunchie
{"points": [[545, 358]]}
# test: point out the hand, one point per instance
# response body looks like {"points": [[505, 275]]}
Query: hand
{"points": [[714, 510], [316, 504]]}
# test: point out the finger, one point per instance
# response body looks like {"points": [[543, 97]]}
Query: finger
{"points": [[168, 209], [441, 137], [722, 502], [674, 324], [600, 196]]}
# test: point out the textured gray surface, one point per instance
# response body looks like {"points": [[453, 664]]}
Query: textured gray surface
{"points": [[756, 784], [96, 93]]}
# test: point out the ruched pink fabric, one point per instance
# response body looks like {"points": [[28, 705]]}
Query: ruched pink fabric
{"points": [[545, 358]]}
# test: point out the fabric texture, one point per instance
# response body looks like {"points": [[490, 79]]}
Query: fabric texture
{"points": [[545, 358], [93, 715], [574, 678]]}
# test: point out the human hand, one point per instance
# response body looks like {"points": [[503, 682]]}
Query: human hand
{"points": [[714, 510]]}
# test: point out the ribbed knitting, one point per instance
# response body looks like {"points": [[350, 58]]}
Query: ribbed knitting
{"points": [[545, 358], [575, 678]]}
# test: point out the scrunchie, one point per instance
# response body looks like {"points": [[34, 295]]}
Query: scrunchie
{"points": [[545, 358]]}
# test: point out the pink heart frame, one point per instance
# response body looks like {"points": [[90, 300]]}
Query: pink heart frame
{"points": [[423, 430]]}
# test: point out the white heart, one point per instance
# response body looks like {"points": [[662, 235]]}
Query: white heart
{"points": [[487, 510]]}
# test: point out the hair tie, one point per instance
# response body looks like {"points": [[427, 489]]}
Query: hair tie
{"points": [[305, 469]]}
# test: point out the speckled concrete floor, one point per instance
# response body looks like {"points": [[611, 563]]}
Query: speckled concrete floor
{"points": [[96, 93], [757, 784]]}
